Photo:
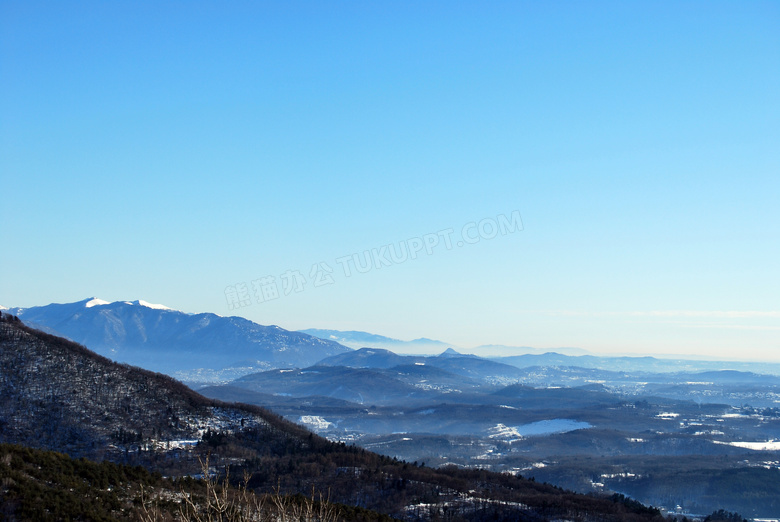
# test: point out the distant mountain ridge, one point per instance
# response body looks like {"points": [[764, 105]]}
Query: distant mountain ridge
{"points": [[645, 364], [161, 339], [358, 339], [501, 350]]}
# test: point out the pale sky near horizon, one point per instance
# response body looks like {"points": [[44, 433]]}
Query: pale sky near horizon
{"points": [[185, 152]]}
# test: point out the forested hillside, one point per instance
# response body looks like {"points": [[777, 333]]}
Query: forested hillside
{"points": [[60, 395], [49, 486]]}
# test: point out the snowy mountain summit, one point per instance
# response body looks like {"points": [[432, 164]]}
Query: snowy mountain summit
{"points": [[95, 301]]}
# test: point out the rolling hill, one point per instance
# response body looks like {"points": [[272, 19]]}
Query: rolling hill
{"points": [[450, 361]]}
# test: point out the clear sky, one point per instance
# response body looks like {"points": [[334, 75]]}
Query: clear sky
{"points": [[185, 152]]}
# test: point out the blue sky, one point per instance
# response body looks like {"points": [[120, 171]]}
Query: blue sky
{"points": [[175, 151]]}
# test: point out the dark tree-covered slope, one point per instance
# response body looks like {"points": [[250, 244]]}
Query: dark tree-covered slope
{"points": [[60, 395]]}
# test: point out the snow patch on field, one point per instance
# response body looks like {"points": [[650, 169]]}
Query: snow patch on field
{"points": [[545, 427], [315, 422], [771, 445]]}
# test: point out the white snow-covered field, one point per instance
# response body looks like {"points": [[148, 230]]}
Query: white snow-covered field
{"points": [[545, 427], [315, 422], [771, 445]]}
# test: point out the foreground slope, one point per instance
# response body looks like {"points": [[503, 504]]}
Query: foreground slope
{"points": [[165, 340], [40, 486], [59, 395]]}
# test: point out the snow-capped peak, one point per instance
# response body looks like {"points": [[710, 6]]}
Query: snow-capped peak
{"points": [[95, 302], [3, 307], [150, 305], [100, 302]]}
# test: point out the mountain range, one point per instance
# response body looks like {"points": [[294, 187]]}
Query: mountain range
{"points": [[165, 340], [205, 348], [447, 409]]}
